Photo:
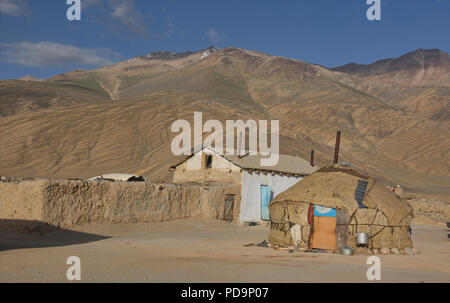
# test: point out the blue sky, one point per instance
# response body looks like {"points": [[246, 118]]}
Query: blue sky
{"points": [[37, 39]]}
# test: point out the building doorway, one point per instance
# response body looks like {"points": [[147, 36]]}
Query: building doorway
{"points": [[324, 228], [266, 197], [229, 208]]}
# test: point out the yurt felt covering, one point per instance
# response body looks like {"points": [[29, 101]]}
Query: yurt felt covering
{"points": [[386, 217]]}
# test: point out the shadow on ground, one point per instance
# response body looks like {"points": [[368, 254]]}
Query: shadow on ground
{"points": [[19, 234]]}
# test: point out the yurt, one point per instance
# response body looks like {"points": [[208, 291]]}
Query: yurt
{"points": [[340, 207]]}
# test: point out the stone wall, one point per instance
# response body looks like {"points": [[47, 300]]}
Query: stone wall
{"points": [[430, 211], [66, 203]]}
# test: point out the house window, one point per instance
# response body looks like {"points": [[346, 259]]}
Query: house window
{"points": [[206, 161]]}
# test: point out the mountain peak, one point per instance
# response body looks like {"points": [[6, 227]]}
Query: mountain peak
{"points": [[209, 51], [167, 55], [419, 67], [426, 53], [430, 51], [29, 78]]}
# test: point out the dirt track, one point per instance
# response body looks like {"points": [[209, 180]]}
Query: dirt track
{"points": [[202, 251]]}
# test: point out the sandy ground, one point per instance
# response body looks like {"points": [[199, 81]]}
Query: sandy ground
{"points": [[203, 251]]}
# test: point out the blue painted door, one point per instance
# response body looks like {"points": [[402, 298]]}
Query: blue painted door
{"points": [[265, 200]]}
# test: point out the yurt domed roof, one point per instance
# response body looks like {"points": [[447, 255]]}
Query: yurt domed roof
{"points": [[341, 187]]}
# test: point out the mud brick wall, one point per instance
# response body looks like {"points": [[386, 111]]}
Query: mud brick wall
{"points": [[65, 203]]}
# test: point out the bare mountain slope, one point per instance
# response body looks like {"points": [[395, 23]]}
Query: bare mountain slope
{"points": [[421, 67], [395, 131], [18, 96], [417, 82], [123, 75]]}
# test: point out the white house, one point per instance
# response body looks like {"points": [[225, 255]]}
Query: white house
{"points": [[259, 184]]}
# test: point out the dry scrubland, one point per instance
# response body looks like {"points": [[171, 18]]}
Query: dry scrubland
{"points": [[202, 250]]}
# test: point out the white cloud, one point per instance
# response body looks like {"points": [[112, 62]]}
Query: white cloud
{"points": [[92, 2], [125, 12], [170, 28], [117, 13], [215, 36], [14, 8], [46, 54]]}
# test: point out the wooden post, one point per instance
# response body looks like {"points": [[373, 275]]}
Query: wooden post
{"points": [[312, 157], [336, 148]]}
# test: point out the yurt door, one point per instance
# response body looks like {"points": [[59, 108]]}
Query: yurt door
{"points": [[324, 234], [265, 200]]}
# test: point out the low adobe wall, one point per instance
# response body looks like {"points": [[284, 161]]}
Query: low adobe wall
{"points": [[22, 200], [66, 203]]}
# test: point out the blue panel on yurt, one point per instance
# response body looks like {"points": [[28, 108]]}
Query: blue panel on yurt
{"points": [[322, 211], [360, 192]]}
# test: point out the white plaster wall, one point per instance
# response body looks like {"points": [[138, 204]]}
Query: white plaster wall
{"points": [[251, 200], [195, 162], [219, 163]]}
